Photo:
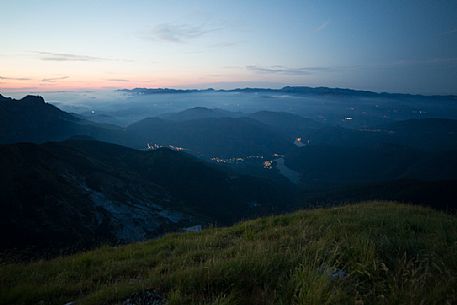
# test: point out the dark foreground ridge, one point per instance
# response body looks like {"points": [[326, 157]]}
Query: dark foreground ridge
{"points": [[371, 253], [71, 195]]}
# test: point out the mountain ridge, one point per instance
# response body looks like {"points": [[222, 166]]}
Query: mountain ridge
{"points": [[80, 193], [286, 89]]}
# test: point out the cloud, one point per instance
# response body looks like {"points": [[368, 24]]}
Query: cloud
{"points": [[49, 56], [179, 33], [117, 80], [322, 26], [14, 78], [53, 79], [278, 69], [289, 71], [422, 61], [19, 89]]}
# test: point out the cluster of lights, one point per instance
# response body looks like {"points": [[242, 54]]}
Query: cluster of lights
{"points": [[230, 160], [157, 146], [234, 159]]}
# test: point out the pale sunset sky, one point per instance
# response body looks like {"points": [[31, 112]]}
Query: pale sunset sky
{"points": [[396, 46]]}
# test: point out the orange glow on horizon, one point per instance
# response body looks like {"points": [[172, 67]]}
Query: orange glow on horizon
{"points": [[17, 86], [75, 85]]}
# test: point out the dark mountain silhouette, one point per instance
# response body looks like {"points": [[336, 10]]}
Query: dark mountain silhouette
{"points": [[225, 137], [31, 119], [288, 124], [214, 132], [80, 193], [299, 90], [426, 134], [422, 134], [202, 131], [199, 113], [322, 165], [439, 194]]}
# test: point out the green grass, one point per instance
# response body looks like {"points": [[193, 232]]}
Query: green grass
{"points": [[385, 253]]}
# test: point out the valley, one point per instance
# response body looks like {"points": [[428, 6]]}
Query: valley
{"points": [[200, 167], [228, 152]]}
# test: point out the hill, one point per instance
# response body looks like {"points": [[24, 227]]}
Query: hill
{"points": [[339, 165], [80, 193], [31, 119], [371, 253], [209, 137], [438, 194], [425, 134], [198, 113], [215, 132]]}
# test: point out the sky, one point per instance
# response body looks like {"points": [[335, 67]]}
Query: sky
{"points": [[394, 46]]}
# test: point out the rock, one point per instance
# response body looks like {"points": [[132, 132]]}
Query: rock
{"points": [[145, 297], [196, 228], [332, 272], [338, 274]]}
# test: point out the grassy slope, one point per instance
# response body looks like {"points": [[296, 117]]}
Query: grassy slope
{"points": [[375, 253]]}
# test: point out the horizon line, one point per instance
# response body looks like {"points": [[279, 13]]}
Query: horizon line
{"points": [[196, 90]]}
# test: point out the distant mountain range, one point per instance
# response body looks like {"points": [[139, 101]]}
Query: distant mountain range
{"points": [[299, 90], [82, 192], [215, 132]]}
